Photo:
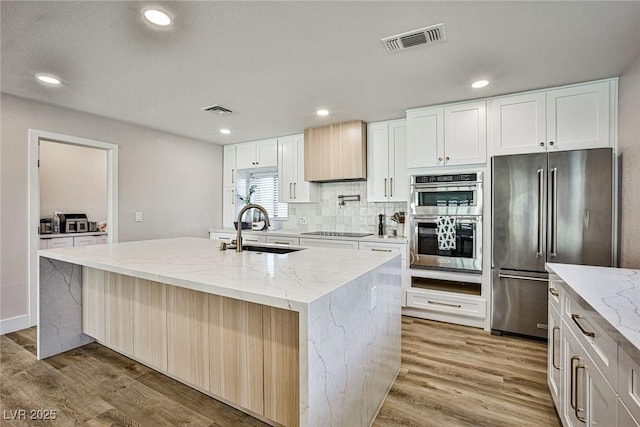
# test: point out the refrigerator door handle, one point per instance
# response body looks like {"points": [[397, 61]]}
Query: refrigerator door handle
{"points": [[554, 213], [513, 276], [540, 212]]}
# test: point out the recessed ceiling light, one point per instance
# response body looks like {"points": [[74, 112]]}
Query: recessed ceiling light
{"points": [[225, 131], [322, 112], [49, 79], [157, 17], [479, 84]]}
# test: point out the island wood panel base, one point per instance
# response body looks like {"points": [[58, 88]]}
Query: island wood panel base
{"points": [[244, 353]]}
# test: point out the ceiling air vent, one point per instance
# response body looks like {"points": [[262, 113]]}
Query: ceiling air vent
{"points": [[427, 35], [215, 108]]}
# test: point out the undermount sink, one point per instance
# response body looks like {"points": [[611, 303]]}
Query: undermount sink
{"points": [[269, 249]]}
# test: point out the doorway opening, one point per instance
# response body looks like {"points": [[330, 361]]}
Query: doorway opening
{"points": [[36, 138]]}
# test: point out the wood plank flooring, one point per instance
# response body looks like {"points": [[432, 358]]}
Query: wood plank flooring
{"points": [[451, 376]]}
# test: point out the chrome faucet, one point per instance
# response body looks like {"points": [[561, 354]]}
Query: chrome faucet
{"points": [[242, 211]]}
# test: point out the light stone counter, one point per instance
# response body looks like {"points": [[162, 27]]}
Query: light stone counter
{"points": [[348, 304], [613, 293]]}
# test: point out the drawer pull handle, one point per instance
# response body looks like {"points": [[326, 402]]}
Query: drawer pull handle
{"points": [[553, 292], [381, 250], [445, 304], [281, 243], [575, 318], [578, 409], [572, 383], [553, 346]]}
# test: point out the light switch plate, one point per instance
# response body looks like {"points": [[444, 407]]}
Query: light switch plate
{"points": [[138, 216]]}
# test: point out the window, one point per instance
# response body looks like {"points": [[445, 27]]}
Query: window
{"points": [[266, 194]]}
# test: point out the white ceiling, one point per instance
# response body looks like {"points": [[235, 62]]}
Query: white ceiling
{"points": [[277, 62]]}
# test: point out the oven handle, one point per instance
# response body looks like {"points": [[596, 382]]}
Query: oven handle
{"points": [[460, 219], [469, 184]]}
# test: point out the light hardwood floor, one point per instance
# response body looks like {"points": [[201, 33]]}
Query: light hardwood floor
{"points": [[451, 376]]}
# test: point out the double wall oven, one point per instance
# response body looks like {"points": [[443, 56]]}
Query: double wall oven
{"points": [[446, 222]]}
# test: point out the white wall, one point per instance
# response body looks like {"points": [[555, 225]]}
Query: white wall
{"points": [[175, 181], [73, 179], [629, 147]]}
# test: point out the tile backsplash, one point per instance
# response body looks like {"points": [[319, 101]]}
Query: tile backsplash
{"points": [[327, 215]]}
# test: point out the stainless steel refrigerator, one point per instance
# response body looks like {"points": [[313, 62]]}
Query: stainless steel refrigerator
{"points": [[547, 207]]}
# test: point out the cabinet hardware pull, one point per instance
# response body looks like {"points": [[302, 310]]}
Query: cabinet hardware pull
{"points": [[250, 240], [553, 346], [447, 158], [513, 276], [381, 250], [281, 243], [295, 192], [290, 193], [233, 197], [385, 187], [572, 388], [578, 409], [390, 187], [541, 144], [575, 318], [550, 142], [553, 292], [445, 304], [257, 163], [233, 176], [439, 159]]}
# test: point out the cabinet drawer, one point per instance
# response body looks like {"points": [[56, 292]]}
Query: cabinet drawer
{"points": [[600, 347], [252, 238], [383, 247], [337, 244], [85, 240], [555, 292], [629, 383], [447, 303], [222, 237], [101, 240], [293, 241], [60, 242]]}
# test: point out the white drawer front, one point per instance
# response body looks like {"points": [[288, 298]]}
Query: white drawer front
{"points": [[555, 293], [101, 240], [338, 244], [85, 241], [629, 383], [625, 419], [445, 303], [293, 241], [222, 237], [602, 349], [383, 247], [252, 238], [60, 242]]}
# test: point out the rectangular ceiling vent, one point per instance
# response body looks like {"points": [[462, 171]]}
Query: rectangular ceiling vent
{"points": [[427, 35], [215, 108]]}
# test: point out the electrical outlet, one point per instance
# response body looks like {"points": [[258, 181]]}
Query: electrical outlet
{"points": [[374, 297], [303, 220], [138, 216]]}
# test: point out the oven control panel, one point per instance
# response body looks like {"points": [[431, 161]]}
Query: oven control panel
{"points": [[429, 179]]}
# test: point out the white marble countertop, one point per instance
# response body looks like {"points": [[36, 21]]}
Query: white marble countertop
{"points": [[290, 281], [283, 233], [614, 293]]}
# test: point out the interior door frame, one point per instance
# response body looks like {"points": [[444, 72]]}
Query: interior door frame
{"points": [[33, 223]]}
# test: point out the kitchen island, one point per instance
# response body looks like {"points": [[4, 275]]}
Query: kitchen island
{"points": [[307, 338]]}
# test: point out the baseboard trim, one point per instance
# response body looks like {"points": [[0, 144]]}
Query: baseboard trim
{"points": [[14, 324]]}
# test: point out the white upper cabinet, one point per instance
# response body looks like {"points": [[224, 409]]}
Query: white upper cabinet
{"points": [[292, 186], [228, 206], [257, 154], [387, 157], [570, 118], [229, 166], [451, 135]]}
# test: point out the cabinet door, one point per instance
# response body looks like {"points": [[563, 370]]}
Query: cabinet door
{"points": [[85, 240], [629, 382], [188, 336], [425, 137], [283, 240], [573, 356], [398, 177], [378, 181], [554, 358], [246, 155], [60, 242], [93, 302], [267, 153], [518, 124], [150, 320], [228, 206], [337, 244], [578, 117], [303, 191], [119, 312], [229, 165], [287, 168], [624, 417], [465, 133], [602, 401]]}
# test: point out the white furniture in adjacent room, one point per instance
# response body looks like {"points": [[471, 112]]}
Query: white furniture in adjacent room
{"points": [[387, 179], [567, 118], [292, 186], [69, 241], [447, 135]]}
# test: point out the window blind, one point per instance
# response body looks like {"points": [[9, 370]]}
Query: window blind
{"points": [[266, 194]]}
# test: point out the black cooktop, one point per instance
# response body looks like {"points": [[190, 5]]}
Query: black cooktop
{"points": [[336, 234]]}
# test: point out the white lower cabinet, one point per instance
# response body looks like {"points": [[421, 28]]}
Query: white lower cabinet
{"points": [[555, 367], [326, 243], [624, 417], [629, 384], [447, 303], [85, 240], [283, 240], [58, 242], [230, 236], [71, 241]]}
